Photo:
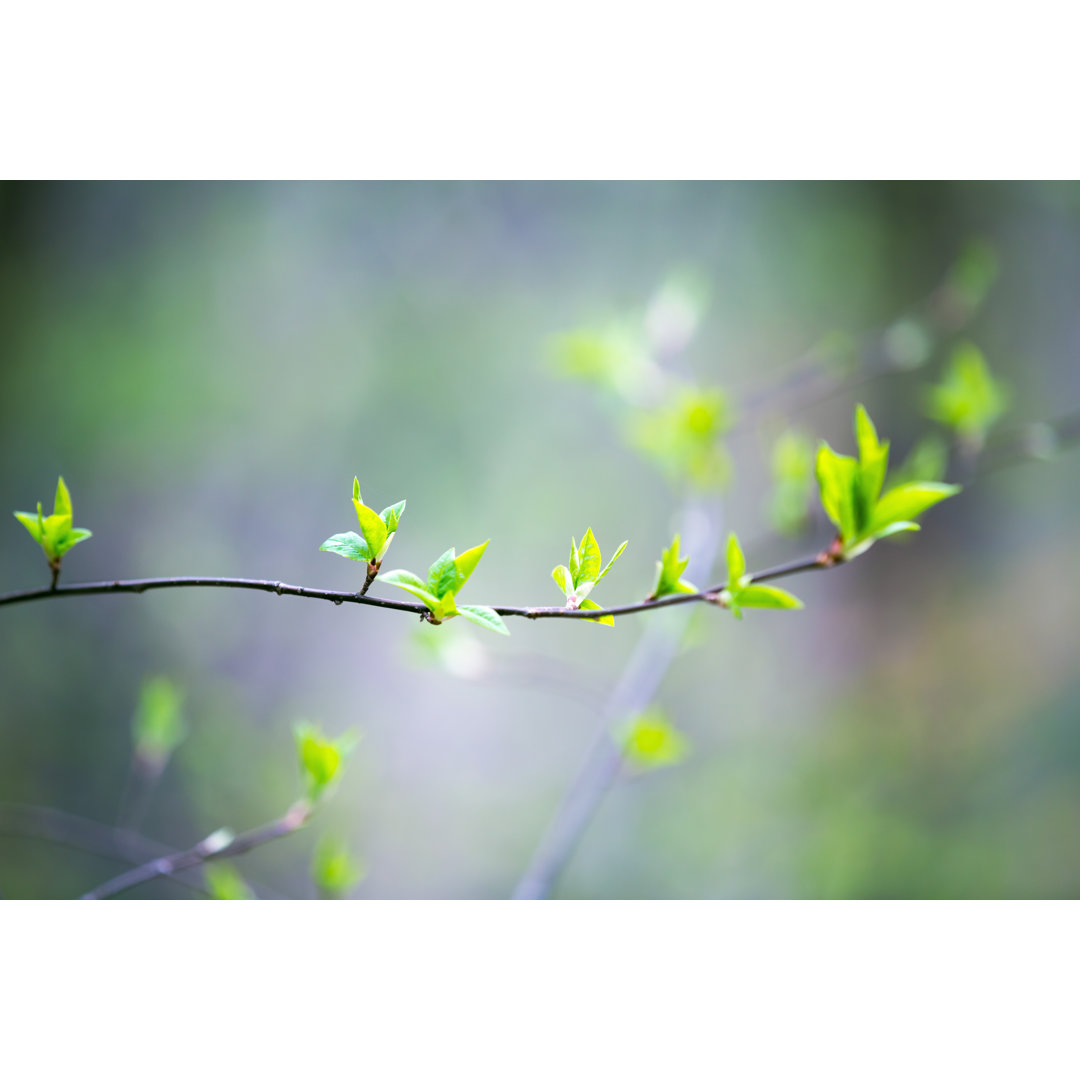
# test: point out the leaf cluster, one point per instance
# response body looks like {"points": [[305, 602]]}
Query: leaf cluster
{"points": [[54, 533], [741, 592], [851, 492], [446, 576], [669, 570], [583, 574], [376, 532]]}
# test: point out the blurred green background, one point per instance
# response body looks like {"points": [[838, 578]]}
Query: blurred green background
{"points": [[208, 365]]}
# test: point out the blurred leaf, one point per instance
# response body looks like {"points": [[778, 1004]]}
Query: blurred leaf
{"points": [[613, 359], [223, 882], [793, 476], [927, 460], [321, 759], [334, 870], [683, 437], [968, 399], [348, 544], [562, 577], [158, 726], [971, 277], [675, 311], [649, 741]]}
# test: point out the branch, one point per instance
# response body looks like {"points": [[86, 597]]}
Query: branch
{"points": [[217, 845], [141, 585]]}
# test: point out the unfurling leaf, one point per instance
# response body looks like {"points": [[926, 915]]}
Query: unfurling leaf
{"points": [[586, 569], [851, 492], [377, 530], [54, 534], [669, 571], [446, 576], [741, 592]]}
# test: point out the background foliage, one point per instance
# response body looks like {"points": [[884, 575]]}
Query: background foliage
{"points": [[209, 365]]}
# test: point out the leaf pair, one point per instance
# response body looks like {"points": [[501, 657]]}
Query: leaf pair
{"points": [[740, 592], [851, 492], [376, 532], [54, 533], [445, 578], [669, 571], [584, 572]]}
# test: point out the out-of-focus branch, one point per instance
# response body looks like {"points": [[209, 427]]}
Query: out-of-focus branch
{"points": [[218, 845]]}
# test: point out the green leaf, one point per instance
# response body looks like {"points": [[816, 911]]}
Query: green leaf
{"points": [[224, 882], [907, 502], [372, 528], [74, 536], [158, 726], [836, 475], [669, 572], [590, 559], [443, 574], [62, 503], [391, 516], [562, 578], [483, 616], [321, 759], [766, 596], [650, 741], [57, 528], [873, 461], [356, 489], [348, 544], [592, 605], [968, 399], [403, 579], [736, 562], [574, 562], [897, 527], [334, 870], [33, 526], [466, 563], [611, 562]]}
